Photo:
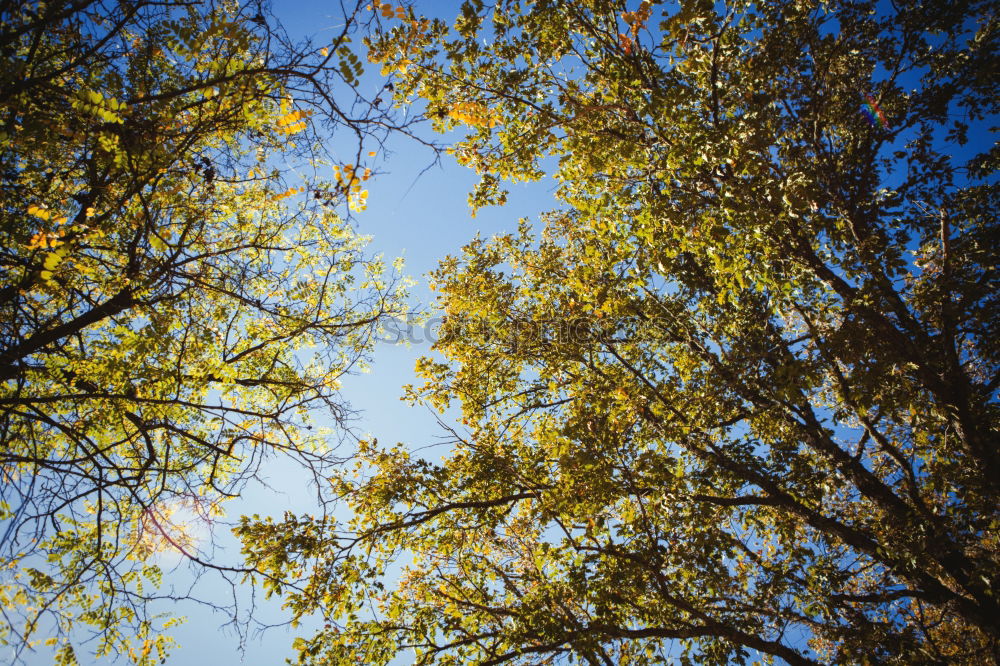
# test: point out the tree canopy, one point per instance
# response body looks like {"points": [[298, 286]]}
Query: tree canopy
{"points": [[735, 399], [175, 304]]}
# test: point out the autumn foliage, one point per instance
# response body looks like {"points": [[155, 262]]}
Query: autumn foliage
{"points": [[771, 435], [773, 438], [173, 308]]}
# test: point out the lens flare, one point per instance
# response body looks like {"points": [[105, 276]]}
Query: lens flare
{"points": [[873, 113]]}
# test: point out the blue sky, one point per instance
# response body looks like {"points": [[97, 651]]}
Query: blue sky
{"points": [[416, 210], [413, 211]]}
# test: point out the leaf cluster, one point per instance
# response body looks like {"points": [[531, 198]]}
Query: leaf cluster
{"points": [[735, 401]]}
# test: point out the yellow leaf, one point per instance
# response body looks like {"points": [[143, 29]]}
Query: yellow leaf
{"points": [[324, 51], [39, 212]]}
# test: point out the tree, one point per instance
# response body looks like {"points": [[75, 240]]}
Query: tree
{"points": [[175, 309], [736, 400]]}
